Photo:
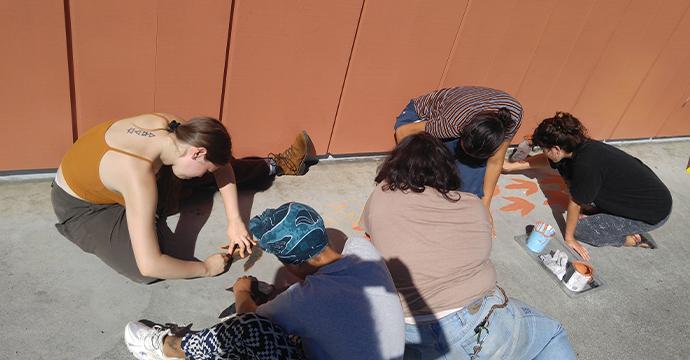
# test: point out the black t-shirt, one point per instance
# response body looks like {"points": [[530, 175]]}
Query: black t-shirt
{"points": [[615, 182]]}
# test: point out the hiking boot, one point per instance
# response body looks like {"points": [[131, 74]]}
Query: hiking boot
{"points": [[297, 159], [146, 343]]}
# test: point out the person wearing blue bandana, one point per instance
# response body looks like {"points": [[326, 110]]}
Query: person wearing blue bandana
{"points": [[344, 307]]}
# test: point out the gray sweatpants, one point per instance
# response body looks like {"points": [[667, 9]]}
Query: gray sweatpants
{"points": [[609, 230]]}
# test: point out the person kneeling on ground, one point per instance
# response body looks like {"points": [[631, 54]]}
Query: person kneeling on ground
{"points": [[437, 242], [345, 307], [121, 179], [623, 194], [476, 123]]}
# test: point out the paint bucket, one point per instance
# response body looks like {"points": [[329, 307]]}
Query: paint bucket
{"points": [[540, 236], [577, 275]]}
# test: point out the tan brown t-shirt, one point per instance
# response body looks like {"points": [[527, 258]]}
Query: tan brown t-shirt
{"points": [[436, 250]]}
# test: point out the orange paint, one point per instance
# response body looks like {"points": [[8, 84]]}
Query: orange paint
{"points": [[518, 204], [529, 186]]}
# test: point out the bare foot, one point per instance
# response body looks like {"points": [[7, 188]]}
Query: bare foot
{"points": [[633, 240]]}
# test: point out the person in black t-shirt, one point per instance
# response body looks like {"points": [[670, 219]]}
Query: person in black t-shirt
{"points": [[624, 196]]}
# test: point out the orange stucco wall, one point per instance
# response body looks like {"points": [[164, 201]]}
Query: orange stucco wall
{"points": [[340, 69], [35, 115]]}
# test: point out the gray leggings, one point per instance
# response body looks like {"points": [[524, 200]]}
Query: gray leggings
{"points": [[609, 230]]}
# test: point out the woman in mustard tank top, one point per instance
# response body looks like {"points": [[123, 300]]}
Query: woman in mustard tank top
{"points": [[119, 181]]}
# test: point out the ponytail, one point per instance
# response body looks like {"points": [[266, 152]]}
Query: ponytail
{"points": [[205, 132], [484, 134], [201, 131], [503, 114]]}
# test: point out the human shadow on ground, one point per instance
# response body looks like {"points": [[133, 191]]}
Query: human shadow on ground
{"points": [[554, 189], [409, 293], [414, 300], [193, 201]]}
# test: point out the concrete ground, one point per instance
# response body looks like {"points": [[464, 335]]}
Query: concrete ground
{"points": [[60, 303]]}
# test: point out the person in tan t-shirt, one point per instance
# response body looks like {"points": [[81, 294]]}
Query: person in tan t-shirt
{"points": [[437, 242]]}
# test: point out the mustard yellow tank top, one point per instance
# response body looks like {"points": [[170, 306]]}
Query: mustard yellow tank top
{"points": [[81, 163]]}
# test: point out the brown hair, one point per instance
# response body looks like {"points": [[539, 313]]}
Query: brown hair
{"points": [[562, 130], [420, 160], [205, 132]]}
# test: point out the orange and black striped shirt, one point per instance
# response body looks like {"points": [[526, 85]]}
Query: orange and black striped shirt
{"points": [[447, 111]]}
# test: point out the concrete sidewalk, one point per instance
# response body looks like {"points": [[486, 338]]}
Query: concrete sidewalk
{"points": [[60, 303]]}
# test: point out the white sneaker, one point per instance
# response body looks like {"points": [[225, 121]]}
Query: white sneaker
{"points": [[146, 343]]}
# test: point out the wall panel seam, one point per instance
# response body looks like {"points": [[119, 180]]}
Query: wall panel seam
{"points": [[646, 75], [534, 51], [497, 52], [570, 52], [601, 55], [70, 70], [347, 70], [227, 61], [453, 48], [675, 111]]}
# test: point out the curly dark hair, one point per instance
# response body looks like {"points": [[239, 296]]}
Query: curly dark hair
{"points": [[562, 130], [420, 160]]}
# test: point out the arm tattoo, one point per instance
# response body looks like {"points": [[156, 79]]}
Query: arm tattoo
{"points": [[140, 132]]}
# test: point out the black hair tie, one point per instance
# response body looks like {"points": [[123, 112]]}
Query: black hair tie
{"points": [[173, 126]]}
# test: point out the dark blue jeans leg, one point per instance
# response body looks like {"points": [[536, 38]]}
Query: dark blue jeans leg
{"points": [[407, 116], [471, 175]]}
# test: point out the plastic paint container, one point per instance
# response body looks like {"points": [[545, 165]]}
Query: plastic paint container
{"points": [[540, 236], [577, 276]]}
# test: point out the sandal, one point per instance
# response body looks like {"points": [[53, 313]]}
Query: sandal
{"points": [[644, 241]]}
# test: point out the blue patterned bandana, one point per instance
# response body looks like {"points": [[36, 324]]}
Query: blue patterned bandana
{"points": [[293, 232]]}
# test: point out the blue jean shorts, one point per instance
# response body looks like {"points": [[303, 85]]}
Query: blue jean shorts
{"points": [[471, 173], [517, 331]]}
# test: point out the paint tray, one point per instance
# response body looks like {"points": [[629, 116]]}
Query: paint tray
{"points": [[557, 244]]}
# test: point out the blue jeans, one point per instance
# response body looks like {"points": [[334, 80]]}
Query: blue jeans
{"points": [[471, 174], [515, 332]]}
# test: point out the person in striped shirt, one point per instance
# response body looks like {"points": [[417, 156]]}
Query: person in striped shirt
{"points": [[476, 123]]}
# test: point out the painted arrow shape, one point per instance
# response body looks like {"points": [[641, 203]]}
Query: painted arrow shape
{"points": [[524, 206], [556, 198], [529, 186]]}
